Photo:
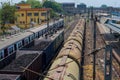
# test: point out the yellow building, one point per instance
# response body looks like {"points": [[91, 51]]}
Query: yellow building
{"points": [[29, 17]]}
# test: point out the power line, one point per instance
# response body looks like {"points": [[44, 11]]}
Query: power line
{"points": [[93, 52], [36, 73]]}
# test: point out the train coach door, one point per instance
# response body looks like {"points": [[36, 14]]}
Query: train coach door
{"points": [[6, 52]]}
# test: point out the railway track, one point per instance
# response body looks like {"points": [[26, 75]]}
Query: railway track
{"points": [[88, 60], [87, 65], [115, 64], [69, 29], [100, 42]]}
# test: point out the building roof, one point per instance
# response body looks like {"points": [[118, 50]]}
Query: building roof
{"points": [[34, 9], [23, 5], [68, 3], [113, 26]]}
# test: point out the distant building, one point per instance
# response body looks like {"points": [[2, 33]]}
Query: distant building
{"points": [[29, 17], [69, 7], [81, 8], [52, 0]]}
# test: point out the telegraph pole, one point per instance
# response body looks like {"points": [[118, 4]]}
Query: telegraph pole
{"points": [[94, 47], [94, 44], [108, 63], [47, 21]]}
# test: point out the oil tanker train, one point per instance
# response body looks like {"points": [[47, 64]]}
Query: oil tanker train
{"points": [[66, 66]]}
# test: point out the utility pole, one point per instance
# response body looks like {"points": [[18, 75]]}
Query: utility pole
{"points": [[94, 47], [48, 19], [47, 15], [108, 63]]}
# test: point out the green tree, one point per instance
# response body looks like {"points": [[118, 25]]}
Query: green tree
{"points": [[56, 8], [34, 3], [54, 5], [53, 14], [7, 14]]}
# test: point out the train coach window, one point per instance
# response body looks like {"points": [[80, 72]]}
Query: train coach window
{"points": [[19, 45], [1, 54], [11, 49], [26, 41], [40, 33], [31, 37], [43, 31], [36, 35]]}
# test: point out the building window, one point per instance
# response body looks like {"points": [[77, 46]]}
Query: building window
{"points": [[29, 14], [23, 22], [20, 22], [36, 14], [31, 19], [18, 7], [22, 14], [43, 14], [38, 21]]}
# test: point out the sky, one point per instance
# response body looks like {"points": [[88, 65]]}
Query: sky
{"points": [[96, 3]]}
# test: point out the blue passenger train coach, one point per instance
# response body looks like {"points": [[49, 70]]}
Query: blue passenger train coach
{"points": [[8, 51]]}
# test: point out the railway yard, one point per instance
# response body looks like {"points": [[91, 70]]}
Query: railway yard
{"points": [[67, 54], [103, 37], [59, 40]]}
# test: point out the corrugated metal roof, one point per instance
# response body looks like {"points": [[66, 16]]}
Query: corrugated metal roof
{"points": [[113, 27]]}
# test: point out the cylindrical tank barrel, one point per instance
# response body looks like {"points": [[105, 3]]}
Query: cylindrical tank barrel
{"points": [[66, 66]]}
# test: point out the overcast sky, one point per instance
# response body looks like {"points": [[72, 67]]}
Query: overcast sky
{"points": [[97, 3]]}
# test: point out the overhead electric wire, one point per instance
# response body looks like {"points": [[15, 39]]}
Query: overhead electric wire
{"points": [[94, 51]]}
